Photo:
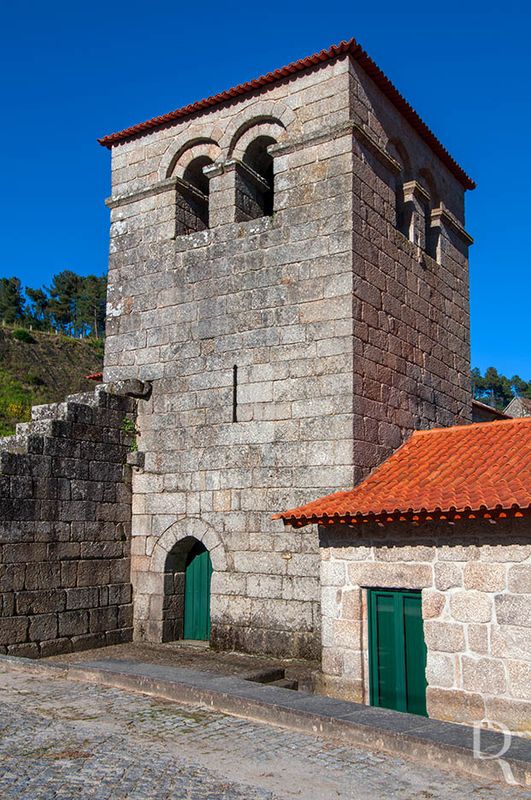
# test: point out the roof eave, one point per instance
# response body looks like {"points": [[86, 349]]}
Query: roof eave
{"points": [[451, 516], [350, 47]]}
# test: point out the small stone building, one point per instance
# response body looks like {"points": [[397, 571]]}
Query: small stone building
{"points": [[519, 407], [288, 271], [426, 578], [481, 412]]}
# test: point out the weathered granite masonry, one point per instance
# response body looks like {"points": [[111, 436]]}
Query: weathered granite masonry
{"points": [[345, 313], [475, 607], [65, 521]]}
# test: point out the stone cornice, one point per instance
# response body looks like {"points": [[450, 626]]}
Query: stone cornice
{"points": [[441, 216], [366, 138], [348, 128], [118, 200]]}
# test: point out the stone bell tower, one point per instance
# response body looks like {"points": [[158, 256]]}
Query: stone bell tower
{"points": [[288, 269]]}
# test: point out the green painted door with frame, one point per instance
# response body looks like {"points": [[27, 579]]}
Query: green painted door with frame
{"points": [[397, 650], [197, 594]]}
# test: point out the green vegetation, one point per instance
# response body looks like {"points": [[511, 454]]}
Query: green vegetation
{"points": [[15, 403], [40, 367], [128, 427], [498, 390], [22, 335], [73, 304], [40, 360]]}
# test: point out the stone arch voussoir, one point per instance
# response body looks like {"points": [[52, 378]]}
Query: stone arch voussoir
{"points": [[203, 140], [183, 529], [263, 112]]}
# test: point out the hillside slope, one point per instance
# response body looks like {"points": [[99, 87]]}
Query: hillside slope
{"points": [[43, 370]]}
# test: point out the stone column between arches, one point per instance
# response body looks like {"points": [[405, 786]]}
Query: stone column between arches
{"points": [[148, 575]]}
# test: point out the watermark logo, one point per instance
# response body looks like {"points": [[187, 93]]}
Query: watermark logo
{"points": [[482, 727]]}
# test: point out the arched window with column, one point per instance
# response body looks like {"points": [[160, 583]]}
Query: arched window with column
{"points": [[185, 165], [192, 196], [432, 231], [403, 209], [255, 190]]}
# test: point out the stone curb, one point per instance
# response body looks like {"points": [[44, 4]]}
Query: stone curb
{"points": [[441, 744]]}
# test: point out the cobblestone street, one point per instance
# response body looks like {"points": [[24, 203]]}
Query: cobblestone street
{"points": [[65, 740]]}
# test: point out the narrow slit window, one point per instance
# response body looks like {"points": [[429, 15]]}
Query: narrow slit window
{"points": [[235, 393]]}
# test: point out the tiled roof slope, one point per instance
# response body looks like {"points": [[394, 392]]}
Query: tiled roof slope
{"points": [[356, 52], [468, 471]]}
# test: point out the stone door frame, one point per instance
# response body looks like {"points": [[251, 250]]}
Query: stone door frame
{"points": [[148, 583]]}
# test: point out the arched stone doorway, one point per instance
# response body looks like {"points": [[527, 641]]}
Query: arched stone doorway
{"points": [[153, 604], [186, 604]]}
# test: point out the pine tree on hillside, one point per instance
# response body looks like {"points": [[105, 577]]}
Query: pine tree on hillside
{"points": [[498, 390], [64, 293], [11, 301], [90, 304], [38, 313]]}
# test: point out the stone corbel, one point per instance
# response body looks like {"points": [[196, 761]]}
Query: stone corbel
{"points": [[131, 387], [235, 164], [414, 191], [184, 186]]}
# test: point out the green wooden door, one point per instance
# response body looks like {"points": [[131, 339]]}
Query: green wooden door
{"points": [[197, 593], [397, 651]]}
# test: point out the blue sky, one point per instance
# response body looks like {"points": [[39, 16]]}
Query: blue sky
{"points": [[74, 71]]}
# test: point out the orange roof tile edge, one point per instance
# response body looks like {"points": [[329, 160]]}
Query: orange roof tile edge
{"points": [[356, 52], [482, 470]]}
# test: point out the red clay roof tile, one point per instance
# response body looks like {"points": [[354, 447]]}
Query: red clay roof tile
{"points": [[356, 52], [480, 470]]}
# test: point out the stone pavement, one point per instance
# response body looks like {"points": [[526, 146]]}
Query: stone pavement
{"points": [[193, 655], [65, 740]]}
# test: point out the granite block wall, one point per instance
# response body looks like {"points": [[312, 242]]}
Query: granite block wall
{"points": [[65, 522], [346, 336], [475, 581]]}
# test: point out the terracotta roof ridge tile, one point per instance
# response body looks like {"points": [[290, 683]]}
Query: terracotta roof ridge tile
{"points": [[452, 428]]}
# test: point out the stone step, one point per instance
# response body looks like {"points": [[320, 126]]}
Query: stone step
{"points": [[285, 683], [14, 444], [268, 675], [84, 398], [41, 427], [48, 411]]}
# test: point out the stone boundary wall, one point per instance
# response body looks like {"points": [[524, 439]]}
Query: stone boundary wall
{"points": [[65, 520], [475, 580]]}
